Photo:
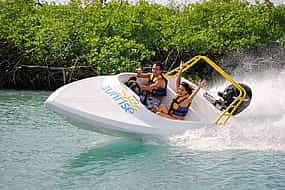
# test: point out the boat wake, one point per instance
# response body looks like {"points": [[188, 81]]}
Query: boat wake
{"points": [[261, 127]]}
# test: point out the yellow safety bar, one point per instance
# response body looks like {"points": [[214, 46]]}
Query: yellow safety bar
{"points": [[224, 117]]}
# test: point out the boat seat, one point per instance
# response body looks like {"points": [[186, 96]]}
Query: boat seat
{"points": [[192, 115]]}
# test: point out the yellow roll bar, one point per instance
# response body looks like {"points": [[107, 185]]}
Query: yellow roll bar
{"points": [[224, 117]]}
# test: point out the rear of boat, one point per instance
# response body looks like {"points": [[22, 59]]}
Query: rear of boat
{"points": [[199, 114], [106, 105]]}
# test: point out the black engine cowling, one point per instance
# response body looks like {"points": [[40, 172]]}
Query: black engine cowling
{"points": [[230, 93]]}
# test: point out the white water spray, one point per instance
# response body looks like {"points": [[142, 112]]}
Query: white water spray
{"points": [[261, 127]]}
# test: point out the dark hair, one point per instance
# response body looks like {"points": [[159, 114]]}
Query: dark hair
{"points": [[187, 87], [160, 65]]}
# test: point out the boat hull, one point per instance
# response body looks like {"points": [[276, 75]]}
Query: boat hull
{"points": [[105, 105]]}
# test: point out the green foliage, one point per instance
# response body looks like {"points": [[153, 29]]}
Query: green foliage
{"points": [[117, 37], [223, 25], [113, 55]]}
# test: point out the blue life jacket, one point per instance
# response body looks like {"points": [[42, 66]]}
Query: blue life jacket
{"points": [[158, 91], [176, 108]]}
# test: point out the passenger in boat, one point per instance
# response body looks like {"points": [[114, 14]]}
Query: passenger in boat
{"points": [[156, 88], [181, 102]]}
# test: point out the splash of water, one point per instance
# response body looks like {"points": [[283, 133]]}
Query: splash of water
{"points": [[261, 127]]}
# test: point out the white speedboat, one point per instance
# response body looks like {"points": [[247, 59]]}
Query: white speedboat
{"points": [[105, 104]]}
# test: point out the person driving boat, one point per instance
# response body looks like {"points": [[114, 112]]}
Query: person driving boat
{"points": [[181, 102], [157, 85]]}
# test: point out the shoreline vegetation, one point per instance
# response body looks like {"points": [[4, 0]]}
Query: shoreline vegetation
{"points": [[43, 46]]}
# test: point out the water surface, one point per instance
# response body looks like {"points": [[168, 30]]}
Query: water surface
{"points": [[40, 150]]}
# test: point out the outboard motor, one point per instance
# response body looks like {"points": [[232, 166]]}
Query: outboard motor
{"points": [[229, 94]]}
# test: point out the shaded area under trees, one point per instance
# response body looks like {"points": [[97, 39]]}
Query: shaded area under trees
{"points": [[44, 46]]}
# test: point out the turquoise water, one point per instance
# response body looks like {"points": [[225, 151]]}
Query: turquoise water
{"points": [[39, 150]]}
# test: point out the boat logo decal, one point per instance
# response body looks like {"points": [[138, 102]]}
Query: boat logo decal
{"points": [[127, 103]]}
